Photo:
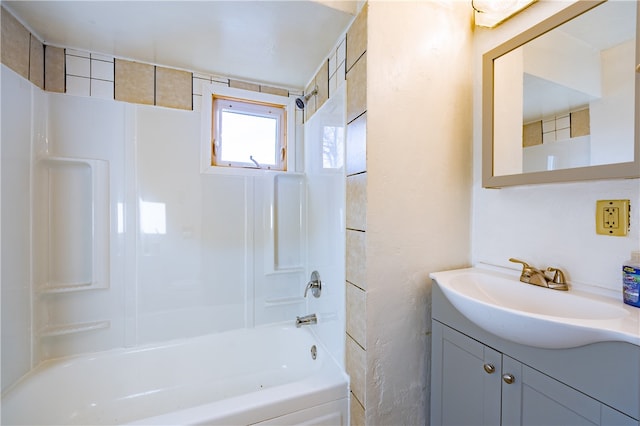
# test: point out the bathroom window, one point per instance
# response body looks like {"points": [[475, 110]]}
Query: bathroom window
{"points": [[249, 134], [244, 132]]}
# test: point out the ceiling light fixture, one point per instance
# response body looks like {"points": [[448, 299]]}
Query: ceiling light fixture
{"points": [[490, 13]]}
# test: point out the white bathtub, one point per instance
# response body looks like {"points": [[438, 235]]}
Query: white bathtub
{"points": [[240, 377]]}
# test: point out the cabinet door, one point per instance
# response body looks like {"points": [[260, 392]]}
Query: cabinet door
{"points": [[534, 399], [465, 380]]}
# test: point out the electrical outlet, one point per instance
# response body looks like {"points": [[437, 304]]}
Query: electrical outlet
{"points": [[612, 217]]}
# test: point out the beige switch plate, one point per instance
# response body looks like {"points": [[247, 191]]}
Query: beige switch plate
{"points": [[612, 217]]}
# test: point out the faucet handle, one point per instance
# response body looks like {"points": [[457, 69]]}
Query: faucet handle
{"points": [[315, 284], [558, 275], [525, 265], [527, 270]]}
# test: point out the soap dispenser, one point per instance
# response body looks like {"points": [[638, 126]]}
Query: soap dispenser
{"points": [[631, 280]]}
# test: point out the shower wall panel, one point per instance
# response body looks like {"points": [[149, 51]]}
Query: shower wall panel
{"points": [[194, 233], [15, 179], [215, 251], [279, 248], [79, 182], [325, 186], [123, 241]]}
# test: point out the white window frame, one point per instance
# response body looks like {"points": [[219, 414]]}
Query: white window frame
{"points": [[208, 138]]}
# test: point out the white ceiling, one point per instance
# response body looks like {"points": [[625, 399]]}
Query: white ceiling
{"points": [[275, 42]]}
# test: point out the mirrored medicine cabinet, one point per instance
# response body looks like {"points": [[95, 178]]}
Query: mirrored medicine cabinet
{"points": [[561, 100]]}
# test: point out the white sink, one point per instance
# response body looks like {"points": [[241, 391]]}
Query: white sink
{"points": [[536, 316]]}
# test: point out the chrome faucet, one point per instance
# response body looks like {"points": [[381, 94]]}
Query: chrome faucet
{"points": [[306, 320], [531, 275]]}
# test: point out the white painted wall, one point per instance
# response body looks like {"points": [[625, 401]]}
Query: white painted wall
{"points": [[418, 190], [612, 115], [550, 224], [508, 103]]}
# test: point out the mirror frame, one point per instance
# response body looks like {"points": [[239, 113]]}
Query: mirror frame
{"points": [[607, 171]]}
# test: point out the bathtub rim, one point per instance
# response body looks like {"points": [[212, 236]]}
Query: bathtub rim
{"points": [[328, 383], [162, 344]]}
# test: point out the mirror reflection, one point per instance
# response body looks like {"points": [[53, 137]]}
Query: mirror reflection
{"points": [[566, 98]]}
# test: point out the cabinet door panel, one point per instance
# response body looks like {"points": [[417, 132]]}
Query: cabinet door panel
{"points": [[611, 417], [465, 393], [535, 399]]}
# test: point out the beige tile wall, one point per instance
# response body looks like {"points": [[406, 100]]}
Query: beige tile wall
{"points": [[54, 69], [204, 79], [356, 322], [173, 88], [356, 146], [36, 62], [357, 88], [29, 57], [327, 80], [567, 125], [356, 366], [532, 134], [144, 83], [357, 413], [134, 82], [357, 202], [356, 214], [15, 44], [244, 85], [580, 123], [356, 255], [357, 38], [274, 90]]}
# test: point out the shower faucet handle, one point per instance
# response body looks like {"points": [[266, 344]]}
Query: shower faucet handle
{"points": [[315, 284]]}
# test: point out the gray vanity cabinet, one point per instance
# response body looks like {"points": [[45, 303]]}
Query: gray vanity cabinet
{"points": [[537, 399], [462, 392], [473, 384]]}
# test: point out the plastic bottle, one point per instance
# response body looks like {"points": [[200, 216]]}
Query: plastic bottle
{"points": [[631, 280]]}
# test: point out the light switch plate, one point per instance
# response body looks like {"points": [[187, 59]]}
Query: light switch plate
{"points": [[612, 217]]}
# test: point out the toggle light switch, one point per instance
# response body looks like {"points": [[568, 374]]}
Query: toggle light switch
{"points": [[612, 217]]}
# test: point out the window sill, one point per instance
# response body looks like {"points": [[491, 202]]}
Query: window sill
{"points": [[242, 171]]}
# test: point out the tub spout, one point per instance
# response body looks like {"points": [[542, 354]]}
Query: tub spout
{"points": [[306, 320]]}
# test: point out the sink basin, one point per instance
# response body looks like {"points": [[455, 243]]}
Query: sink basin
{"points": [[536, 316]]}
